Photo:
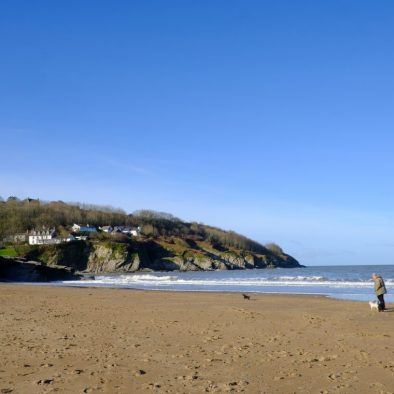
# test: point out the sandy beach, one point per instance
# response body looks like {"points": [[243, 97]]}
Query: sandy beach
{"points": [[86, 340]]}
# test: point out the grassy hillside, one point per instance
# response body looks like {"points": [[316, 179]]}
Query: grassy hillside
{"points": [[18, 216], [165, 242]]}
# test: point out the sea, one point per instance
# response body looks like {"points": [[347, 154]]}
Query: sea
{"points": [[352, 282]]}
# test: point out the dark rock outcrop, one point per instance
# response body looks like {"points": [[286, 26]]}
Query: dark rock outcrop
{"points": [[16, 270], [172, 254]]}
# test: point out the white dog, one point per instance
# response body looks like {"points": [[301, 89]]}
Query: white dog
{"points": [[373, 305]]}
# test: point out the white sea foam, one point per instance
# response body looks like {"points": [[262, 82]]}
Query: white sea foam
{"points": [[134, 278], [352, 282], [147, 280], [299, 278]]}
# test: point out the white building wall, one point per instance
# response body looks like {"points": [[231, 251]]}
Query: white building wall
{"points": [[40, 239]]}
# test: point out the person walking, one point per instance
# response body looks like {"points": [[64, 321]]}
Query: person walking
{"points": [[380, 291]]}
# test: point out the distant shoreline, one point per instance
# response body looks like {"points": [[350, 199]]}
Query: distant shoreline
{"points": [[253, 293], [351, 283]]}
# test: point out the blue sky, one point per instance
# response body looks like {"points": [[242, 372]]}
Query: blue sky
{"points": [[271, 118]]}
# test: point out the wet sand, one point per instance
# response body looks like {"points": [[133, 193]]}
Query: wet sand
{"points": [[81, 340]]}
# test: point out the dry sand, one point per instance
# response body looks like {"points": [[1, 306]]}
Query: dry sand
{"points": [[81, 340]]}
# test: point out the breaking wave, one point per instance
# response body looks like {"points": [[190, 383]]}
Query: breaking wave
{"points": [[174, 280], [352, 282]]}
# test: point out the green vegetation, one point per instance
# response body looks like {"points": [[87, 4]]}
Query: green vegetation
{"points": [[8, 251], [274, 248], [165, 242], [19, 216]]}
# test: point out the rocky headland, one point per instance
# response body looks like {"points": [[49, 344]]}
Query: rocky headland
{"points": [[108, 240], [19, 270], [162, 254]]}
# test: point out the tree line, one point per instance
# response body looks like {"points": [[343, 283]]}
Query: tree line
{"points": [[19, 216]]}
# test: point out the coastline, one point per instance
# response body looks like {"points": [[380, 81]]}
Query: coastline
{"points": [[335, 297], [250, 293], [104, 340]]}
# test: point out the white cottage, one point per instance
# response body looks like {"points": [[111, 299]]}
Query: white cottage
{"points": [[133, 231], [106, 229], [77, 228], [42, 237]]}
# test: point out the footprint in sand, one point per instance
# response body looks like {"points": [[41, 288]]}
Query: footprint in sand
{"points": [[139, 372], [44, 382]]}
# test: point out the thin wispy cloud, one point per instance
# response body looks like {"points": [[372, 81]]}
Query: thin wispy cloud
{"points": [[121, 164]]}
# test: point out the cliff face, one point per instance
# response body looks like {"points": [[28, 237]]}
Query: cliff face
{"points": [[157, 255], [14, 270]]}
